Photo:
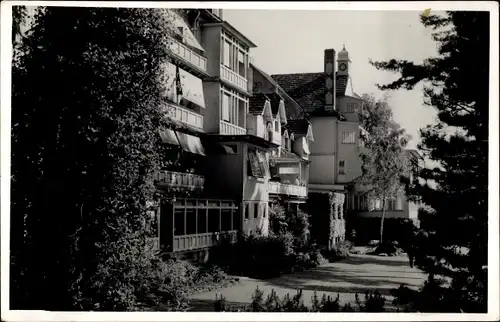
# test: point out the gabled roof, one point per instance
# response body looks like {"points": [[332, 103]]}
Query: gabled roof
{"points": [[257, 103], [308, 88], [291, 109], [300, 127], [275, 100]]}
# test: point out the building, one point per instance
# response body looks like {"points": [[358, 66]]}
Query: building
{"points": [[332, 107]]}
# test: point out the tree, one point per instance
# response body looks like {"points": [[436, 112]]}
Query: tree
{"points": [[385, 162], [86, 105], [453, 231]]}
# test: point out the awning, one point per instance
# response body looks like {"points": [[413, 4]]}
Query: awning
{"points": [[168, 136], [227, 149], [190, 143], [183, 29], [192, 86], [305, 146]]}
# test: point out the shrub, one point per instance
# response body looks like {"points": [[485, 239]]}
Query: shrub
{"points": [[256, 256], [340, 251], [277, 219], [388, 247], [373, 302]]}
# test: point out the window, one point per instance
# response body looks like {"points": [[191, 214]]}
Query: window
{"points": [[276, 126], [227, 54], [399, 203], [241, 63], [236, 219], [264, 210], [378, 204], [226, 222], [390, 204], [225, 107], [202, 221], [348, 137], [341, 167], [247, 210], [213, 220], [179, 222], [234, 107], [190, 221], [235, 55], [256, 210]]}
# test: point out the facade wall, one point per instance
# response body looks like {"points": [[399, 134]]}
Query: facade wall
{"points": [[212, 44], [348, 152], [322, 168], [211, 112]]}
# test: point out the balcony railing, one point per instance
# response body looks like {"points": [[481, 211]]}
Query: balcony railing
{"points": [[188, 55], [189, 181], [184, 115], [227, 128], [233, 77], [200, 241], [287, 189]]}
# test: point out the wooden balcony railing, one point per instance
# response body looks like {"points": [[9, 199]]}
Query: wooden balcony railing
{"points": [[185, 115], [227, 128], [200, 241], [233, 77], [188, 55], [287, 189], [189, 181]]}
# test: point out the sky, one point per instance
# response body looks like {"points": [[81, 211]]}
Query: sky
{"points": [[293, 41]]}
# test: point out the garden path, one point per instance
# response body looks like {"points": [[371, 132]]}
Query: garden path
{"points": [[358, 273]]}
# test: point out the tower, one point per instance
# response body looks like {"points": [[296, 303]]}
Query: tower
{"points": [[343, 62]]}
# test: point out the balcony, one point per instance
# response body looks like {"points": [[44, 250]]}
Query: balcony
{"points": [[287, 189], [188, 55], [189, 181], [185, 115], [227, 128], [233, 78]]}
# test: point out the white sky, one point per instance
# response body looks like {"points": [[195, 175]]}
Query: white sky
{"points": [[294, 42]]}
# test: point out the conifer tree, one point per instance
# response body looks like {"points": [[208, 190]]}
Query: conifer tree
{"points": [[454, 240]]}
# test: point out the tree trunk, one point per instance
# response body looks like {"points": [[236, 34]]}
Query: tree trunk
{"points": [[382, 220]]}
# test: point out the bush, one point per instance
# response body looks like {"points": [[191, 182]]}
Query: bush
{"points": [[388, 247], [256, 256], [373, 302], [340, 251]]}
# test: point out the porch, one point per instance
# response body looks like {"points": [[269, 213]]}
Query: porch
{"points": [[195, 224]]}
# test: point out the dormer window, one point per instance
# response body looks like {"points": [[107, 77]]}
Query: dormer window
{"points": [[276, 126]]}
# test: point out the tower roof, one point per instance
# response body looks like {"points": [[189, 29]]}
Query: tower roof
{"points": [[343, 54]]}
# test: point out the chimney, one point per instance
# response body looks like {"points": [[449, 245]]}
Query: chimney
{"points": [[330, 80]]}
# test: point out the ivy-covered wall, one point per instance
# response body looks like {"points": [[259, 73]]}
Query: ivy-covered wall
{"points": [[327, 218]]}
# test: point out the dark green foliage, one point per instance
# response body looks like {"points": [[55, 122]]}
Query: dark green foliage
{"points": [[286, 249], [256, 256], [453, 230], [373, 302], [87, 89], [367, 229], [340, 251]]}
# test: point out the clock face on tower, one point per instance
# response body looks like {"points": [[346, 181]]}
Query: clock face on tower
{"points": [[342, 66]]}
